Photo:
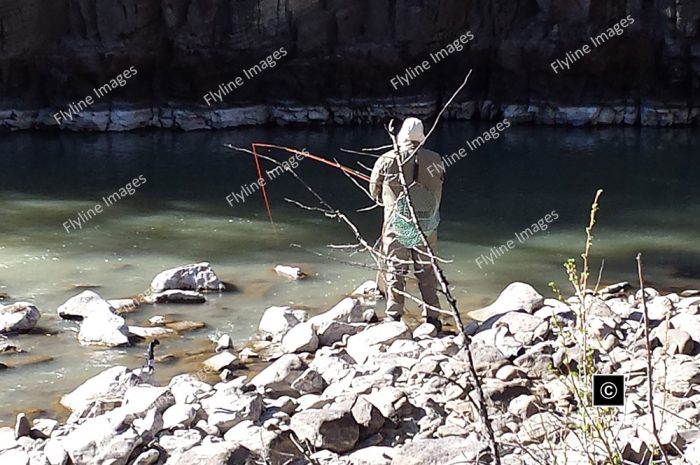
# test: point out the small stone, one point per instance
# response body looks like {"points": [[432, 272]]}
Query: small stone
{"points": [[224, 343], [523, 406], [290, 272], [247, 353], [22, 427], [220, 361], [157, 320], [425, 330]]}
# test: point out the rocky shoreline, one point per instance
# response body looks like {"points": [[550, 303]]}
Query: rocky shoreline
{"points": [[342, 387], [191, 118]]}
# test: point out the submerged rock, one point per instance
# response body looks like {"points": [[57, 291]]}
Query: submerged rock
{"points": [[19, 317], [176, 296], [290, 272], [195, 277]]}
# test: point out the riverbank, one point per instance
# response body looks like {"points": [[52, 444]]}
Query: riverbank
{"points": [[192, 118], [342, 388]]}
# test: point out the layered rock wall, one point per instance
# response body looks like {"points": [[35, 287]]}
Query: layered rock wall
{"points": [[341, 59]]}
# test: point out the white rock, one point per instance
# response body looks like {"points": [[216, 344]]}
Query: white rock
{"points": [[123, 305], [346, 311], [425, 330], [301, 338], [226, 411], [157, 320], [290, 272], [180, 441], [180, 416], [375, 455], [104, 439], [276, 321], [247, 353], [83, 305], [112, 382], [139, 399], [371, 340], [331, 331], [332, 429], [280, 375], [43, 427], [220, 361], [19, 317], [148, 457], [188, 389], [146, 332], [224, 343], [55, 453], [14, 457], [516, 296], [195, 277], [176, 296], [104, 328], [368, 288]]}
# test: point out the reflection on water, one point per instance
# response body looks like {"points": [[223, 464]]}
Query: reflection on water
{"points": [[180, 216]]}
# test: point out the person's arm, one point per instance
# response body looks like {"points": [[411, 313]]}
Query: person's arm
{"points": [[376, 181]]}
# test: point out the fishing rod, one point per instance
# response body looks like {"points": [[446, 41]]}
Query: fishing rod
{"points": [[305, 154]]}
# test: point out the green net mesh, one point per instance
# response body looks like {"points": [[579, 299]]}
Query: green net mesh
{"points": [[428, 214]]}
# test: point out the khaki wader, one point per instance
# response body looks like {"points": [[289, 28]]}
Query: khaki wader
{"points": [[385, 187]]}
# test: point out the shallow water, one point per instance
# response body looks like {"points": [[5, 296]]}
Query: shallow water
{"points": [[181, 216]]}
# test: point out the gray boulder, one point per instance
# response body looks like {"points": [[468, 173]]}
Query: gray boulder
{"points": [[440, 451], [332, 429], [226, 411], [19, 317], [195, 277], [105, 439], [301, 338], [279, 376], [220, 453], [348, 310]]}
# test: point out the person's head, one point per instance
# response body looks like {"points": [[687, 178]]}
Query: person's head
{"points": [[411, 132]]}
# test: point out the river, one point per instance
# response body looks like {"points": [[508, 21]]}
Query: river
{"points": [[180, 215]]}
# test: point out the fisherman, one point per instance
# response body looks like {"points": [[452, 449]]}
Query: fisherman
{"points": [[402, 244], [150, 357]]}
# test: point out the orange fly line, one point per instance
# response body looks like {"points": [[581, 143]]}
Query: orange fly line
{"points": [[305, 154]]}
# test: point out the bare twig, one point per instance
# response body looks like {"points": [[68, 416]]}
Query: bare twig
{"points": [[650, 365]]}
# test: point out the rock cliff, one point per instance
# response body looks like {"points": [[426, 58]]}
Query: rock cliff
{"points": [[341, 59]]}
